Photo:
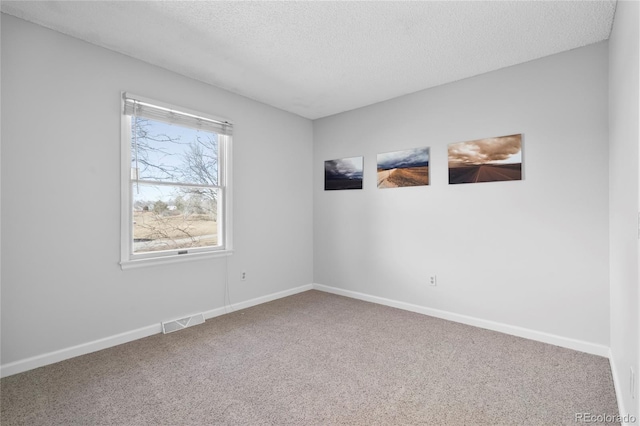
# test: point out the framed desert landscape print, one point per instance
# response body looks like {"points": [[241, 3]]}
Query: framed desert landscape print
{"points": [[403, 168], [486, 160], [345, 173]]}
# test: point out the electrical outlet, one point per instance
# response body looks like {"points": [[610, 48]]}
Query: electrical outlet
{"points": [[244, 276], [432, 280]]}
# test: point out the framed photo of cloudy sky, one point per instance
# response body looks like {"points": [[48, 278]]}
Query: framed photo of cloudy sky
{"points": [[403, 168], [486, 160], [345, 173]]}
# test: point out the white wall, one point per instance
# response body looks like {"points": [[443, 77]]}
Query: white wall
{"points": [[624, 135], [530, 253], [61, 282]]}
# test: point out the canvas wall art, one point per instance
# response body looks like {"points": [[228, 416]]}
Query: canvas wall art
{"points": [[486, 160], [345, 173], [403, 168]]}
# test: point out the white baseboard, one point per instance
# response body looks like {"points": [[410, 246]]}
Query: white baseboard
{"points": [[257, 301], [107, 342], [128, 336], [74, 351], [617, 384], [565, 342]]}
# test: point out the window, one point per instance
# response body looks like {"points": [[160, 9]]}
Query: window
{"points": [[175, 183]]}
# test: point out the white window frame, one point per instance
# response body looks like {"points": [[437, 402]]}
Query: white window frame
{"points": [[130, 260]]}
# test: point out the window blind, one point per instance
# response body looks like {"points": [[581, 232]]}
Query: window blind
{"points": [[134, 106]]}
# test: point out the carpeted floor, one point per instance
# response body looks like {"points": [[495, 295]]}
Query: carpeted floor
{"points": [[316, 359]]}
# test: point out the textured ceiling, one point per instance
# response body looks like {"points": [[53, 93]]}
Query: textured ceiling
{"points": [[317, 58]]}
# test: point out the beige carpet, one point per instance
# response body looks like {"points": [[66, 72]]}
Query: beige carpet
{"points": [[316, 359]]}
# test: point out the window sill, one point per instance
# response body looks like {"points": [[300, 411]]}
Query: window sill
{"points": [[167, 260]]}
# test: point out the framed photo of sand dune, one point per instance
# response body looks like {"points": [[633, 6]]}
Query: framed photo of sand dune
{"points": [[403, 168], [486, 160], [345, 173]]}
